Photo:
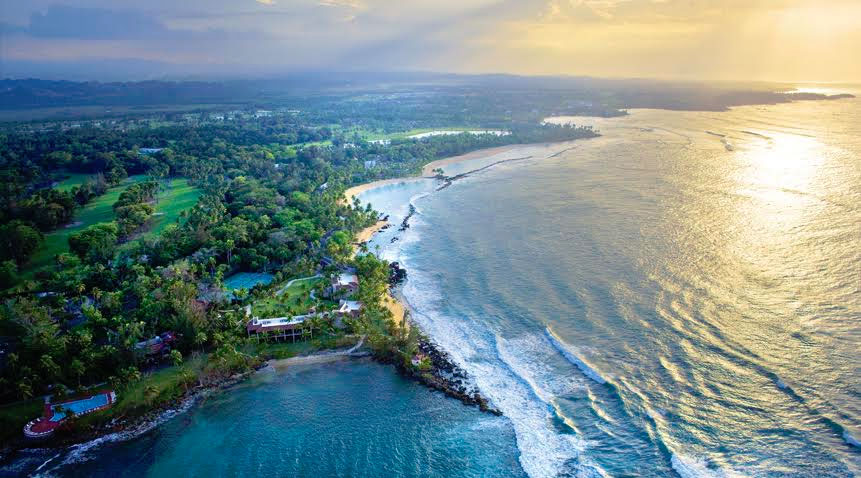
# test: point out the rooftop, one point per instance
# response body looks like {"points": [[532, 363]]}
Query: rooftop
{"points": [[346, 278]]}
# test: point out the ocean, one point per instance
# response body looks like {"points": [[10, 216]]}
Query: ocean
{"points": [[678, 297]]}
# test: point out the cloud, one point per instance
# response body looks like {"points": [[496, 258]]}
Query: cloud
{"points": [[726, 38], [61, 21]]}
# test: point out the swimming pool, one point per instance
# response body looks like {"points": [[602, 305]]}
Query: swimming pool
{"points": [[79, 407]]}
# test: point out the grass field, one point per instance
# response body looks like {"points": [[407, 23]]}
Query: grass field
{"points": [[14, 416], [178, 196], [74, 179], [98, 210], [282, 350], [167, 384], [373, 135], [295, 300]]}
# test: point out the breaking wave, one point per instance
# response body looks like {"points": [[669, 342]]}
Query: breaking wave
{"points": [[688, 467], [571, 354]]}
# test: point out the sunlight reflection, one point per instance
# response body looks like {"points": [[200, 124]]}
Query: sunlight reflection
{"points": [[780, 175]]}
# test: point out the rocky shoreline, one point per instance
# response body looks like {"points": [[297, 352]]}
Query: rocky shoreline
{"points": [[447, 377]]}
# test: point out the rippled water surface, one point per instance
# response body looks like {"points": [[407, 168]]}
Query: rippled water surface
{"points": [[679, 297]]}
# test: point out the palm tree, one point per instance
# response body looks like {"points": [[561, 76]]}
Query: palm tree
{"points": [[187, 377], [199, 340], [77, 368], [25, 391], [150, 393], [176, 357]]}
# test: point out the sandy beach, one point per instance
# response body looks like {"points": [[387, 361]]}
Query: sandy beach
{"points": [[367, 233], [427, 171], [396, 308], [354, 191]]}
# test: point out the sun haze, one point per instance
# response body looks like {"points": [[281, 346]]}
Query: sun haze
{"points": [[786, 40]]}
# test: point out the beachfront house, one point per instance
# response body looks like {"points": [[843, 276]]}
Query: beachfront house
{"points": [[349, 308], [344, 284]]}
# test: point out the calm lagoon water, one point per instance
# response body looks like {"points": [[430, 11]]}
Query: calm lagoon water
{"points": [[680, 297], [342, 419]]}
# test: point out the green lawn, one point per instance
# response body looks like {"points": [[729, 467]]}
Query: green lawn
{"points": [[167, 382], [74, 179], [178, 196], [282, 350], [98, 210], [14, 416], [295, 300]]}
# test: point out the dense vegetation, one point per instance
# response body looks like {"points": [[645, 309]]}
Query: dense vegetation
{"points": [[268, 192]]}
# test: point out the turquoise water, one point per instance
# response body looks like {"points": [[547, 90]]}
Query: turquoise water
{"points": [[680, 297], [247, 280], [79, 406], [344, 419]]}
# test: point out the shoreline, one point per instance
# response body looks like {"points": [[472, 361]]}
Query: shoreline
{"points": [[427, 170], [445, 376], [124, 429]]}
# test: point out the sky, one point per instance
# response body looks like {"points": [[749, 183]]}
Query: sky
{"points": [[773, 40]]}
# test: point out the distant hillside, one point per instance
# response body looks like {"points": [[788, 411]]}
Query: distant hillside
{"points": [[605, 94], [33, 93]]}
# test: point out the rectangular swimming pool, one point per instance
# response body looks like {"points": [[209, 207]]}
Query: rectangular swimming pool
{"points": [[79, 407]]}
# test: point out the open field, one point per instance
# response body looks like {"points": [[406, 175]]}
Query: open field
{"points": [[74, 180], [376, 135], [294, 300], [14, 416], [177, 197], [98, 210]]}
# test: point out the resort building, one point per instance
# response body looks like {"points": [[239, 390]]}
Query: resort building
{"points": [[349, 308], [158, 345], [280, 327], [345, 284]]}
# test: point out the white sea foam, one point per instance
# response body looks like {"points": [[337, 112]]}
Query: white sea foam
{"points": [[415, 198], [544, 450], [689, 467], [44, 463], [572, 354]]}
